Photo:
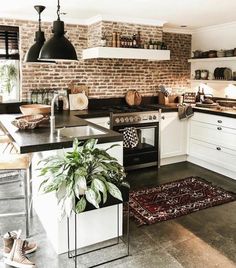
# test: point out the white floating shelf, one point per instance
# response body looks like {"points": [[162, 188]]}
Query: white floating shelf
{"points": [[125, 53], [213, 81], [213, 59]]}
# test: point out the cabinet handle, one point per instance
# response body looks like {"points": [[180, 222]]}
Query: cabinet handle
{"points": [[218, 148], [108, 123], [219, 128], [163, 117], [219, 121]]}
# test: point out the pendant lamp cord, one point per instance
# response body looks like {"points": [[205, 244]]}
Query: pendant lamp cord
{"points": [[40, 22], [58, 10]]}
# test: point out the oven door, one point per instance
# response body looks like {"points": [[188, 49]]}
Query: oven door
{"points": [[145, 153]]}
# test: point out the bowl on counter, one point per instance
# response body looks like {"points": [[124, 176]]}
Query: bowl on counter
{"points": [[33, 109]]}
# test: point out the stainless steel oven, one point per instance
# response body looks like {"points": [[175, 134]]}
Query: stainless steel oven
{"points": [[145, 126]]}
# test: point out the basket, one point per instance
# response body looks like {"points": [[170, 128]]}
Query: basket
{"points": [[29, 121]]}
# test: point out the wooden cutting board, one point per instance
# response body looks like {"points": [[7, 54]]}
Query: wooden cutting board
{"points": [[133, 97]]}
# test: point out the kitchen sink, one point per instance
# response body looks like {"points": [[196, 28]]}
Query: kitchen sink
{"points": [[81, 131]]}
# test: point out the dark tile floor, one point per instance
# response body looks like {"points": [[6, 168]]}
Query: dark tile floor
{"points": [[203, 239]]}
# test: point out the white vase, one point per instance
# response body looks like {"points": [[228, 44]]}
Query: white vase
{"points": [[103, 42]]}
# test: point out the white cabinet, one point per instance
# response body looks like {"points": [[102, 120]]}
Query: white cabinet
{"points": [[212, 143], [173, 135], [101, 121]]}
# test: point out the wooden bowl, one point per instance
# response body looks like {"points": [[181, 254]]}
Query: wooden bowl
{"points": [[29, 121], [32, 109]]}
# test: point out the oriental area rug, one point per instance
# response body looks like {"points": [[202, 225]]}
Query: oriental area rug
{"points": [[175, 199]]}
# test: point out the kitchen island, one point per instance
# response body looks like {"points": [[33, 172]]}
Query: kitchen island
{"points": [[41, 144]]}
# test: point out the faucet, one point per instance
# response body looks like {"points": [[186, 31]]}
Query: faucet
{"points": [[52, 117]]}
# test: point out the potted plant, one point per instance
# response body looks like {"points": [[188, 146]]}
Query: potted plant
{"points": [[85, 175], [8, 76], [104, 40]]}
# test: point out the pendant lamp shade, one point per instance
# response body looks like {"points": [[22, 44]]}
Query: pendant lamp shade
{"points": [[33, 53], [58, 47]]}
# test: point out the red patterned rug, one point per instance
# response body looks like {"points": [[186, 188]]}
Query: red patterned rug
{"points": [[175, 199]]}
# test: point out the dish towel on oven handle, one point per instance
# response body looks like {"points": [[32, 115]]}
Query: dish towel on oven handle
{"points": [[130, 136], [185, 111]]}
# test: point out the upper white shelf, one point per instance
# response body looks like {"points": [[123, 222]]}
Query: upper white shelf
{"points": [[213, 59], [212, 81], [125, 53]]}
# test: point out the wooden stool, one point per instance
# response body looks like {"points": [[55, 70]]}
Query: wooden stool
{"points": [[17, 162]]}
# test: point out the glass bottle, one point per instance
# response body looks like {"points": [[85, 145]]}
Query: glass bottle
{"points": [[134, 41]]}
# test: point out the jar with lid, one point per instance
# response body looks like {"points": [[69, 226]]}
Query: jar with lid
{"points": [[150, 44], [114, 38], [134, 41], [33, 96]]}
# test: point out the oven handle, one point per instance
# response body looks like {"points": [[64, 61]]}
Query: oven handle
{"points": [[123, 129]]}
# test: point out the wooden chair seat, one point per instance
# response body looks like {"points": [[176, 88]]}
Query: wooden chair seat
{"points": [[15, 161]]}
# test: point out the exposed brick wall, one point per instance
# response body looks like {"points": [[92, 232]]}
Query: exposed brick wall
{"points": [[105, 77]]}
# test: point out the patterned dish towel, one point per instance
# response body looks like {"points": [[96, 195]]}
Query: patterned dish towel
{"points": [[130, 137], [185, 111]]}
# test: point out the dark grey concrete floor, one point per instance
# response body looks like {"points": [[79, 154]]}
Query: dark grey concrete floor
{"points": [[203, 239]]}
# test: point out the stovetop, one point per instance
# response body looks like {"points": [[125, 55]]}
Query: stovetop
{"points": [[131, 109]]}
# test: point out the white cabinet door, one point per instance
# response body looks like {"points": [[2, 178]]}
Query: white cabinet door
{"points": [[101, 121], [173, 135]]}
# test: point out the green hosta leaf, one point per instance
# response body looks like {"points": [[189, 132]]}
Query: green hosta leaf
{"points": [[99, 185], [61, 192], [104, 197], [89, 144], [91, 197], [125, 183], [114, 191], [80, 186], [98, 196], [69, 204], [81, 205], [114, 145]]}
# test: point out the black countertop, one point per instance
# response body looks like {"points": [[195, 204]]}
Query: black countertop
{"points": [[227, 113], [39, 139]]}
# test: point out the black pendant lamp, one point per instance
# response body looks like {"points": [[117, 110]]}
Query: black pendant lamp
{"points": [[33, 53], [58, 48]]}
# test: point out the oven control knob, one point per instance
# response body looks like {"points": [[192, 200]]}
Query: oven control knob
{"points": [[126, 119], [122, 120], [131, 119], [154, 117], [135, 118], [117, 120], [150, 117], [139, 118]]}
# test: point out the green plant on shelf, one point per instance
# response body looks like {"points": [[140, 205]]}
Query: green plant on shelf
{"points": [[86, 174]]}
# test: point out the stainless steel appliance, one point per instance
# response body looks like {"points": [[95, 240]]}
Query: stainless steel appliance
{"points": [[146, 123]]}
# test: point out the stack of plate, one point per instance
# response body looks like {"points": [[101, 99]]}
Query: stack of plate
{"points": [[220, 53], [223, 73]]}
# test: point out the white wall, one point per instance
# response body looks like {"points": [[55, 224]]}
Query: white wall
{"points": [[215, 37]]}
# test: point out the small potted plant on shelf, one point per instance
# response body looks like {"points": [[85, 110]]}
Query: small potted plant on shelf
{"points": [[85, 176], [103, 40]]}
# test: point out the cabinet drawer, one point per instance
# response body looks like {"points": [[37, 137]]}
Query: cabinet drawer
{"points": [[214, 154], [214, 134], [215, 120]]}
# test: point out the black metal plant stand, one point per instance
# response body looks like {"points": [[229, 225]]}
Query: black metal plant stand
{"points": [[74, 253]]}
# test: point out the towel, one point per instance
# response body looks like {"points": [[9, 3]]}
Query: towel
{"points": [[130, 137], [165, 92], [185, 111]]}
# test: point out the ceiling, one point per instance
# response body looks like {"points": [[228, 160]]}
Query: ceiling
{"points": [[193, 13]]}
